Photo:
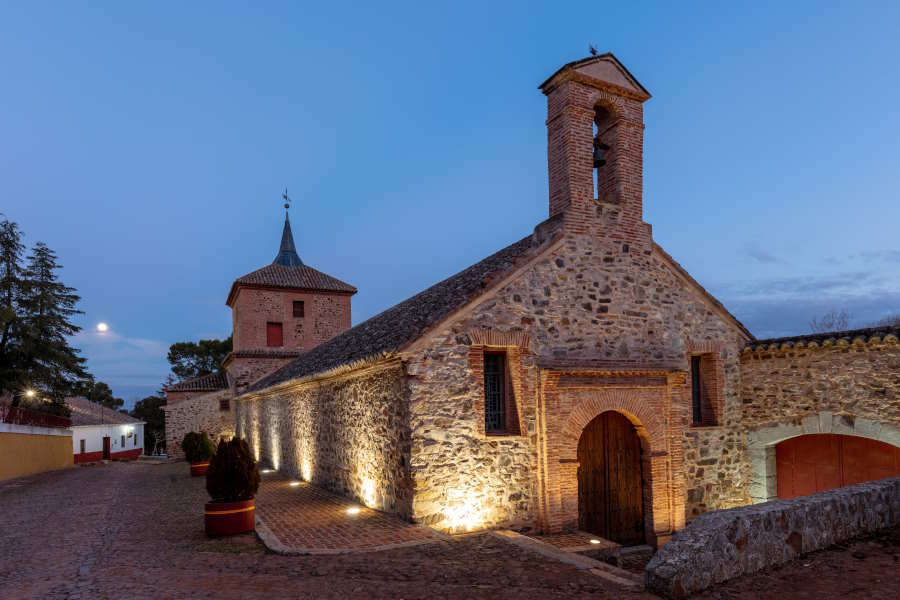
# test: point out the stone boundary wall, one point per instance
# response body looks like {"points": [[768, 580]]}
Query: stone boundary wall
{"points": [[349, 434], [724, 544], [200, 413]]}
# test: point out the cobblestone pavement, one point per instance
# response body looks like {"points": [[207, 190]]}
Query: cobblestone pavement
{"points": [[135, 530], [307, 518]]}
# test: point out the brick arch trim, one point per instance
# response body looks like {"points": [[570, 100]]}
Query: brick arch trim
{"points": [[631, 403], [761, 443]]}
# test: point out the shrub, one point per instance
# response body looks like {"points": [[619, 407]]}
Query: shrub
{"points": [[197, 447], [232, 475]]}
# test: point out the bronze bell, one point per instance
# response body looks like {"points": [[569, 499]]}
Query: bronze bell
{"points": [[599, 149]]}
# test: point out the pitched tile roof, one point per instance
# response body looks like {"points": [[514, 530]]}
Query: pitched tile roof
{"points": [[288, 271], [85, 412], [402, 324], [280, 276], [204, 383], [865, 335]]}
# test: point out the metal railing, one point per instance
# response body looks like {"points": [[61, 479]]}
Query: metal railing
{"points": [[24, 416]]}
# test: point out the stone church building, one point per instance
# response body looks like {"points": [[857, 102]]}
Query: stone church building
{"points": [[578, 378]]}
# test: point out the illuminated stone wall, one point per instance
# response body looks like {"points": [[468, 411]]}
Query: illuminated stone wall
{"points": [[348, 434], [592, 301]]}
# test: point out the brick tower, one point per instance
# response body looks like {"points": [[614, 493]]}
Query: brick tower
{"points": [[595, 140], [281, 311]]}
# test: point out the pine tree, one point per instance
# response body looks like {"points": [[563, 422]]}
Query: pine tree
{"points": [[47, 308], [11, 291]]}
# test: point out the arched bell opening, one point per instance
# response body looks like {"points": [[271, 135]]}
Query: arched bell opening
{"points": [[603, 154]]}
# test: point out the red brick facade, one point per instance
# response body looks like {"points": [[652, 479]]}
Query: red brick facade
{"points": [[651, 400], [324, 316]]}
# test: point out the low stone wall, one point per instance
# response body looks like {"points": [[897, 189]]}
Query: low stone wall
{"points": [[200, 413], [25, 450], [724, 544], [349, 433]]}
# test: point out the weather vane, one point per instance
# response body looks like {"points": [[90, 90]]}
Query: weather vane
{"points": [[592, 49], [287, 199]]}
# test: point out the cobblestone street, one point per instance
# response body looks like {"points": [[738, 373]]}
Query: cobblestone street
{"points": [[135, 530]]}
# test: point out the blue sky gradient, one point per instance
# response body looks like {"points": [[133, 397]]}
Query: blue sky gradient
{"points": [[148, 144]]}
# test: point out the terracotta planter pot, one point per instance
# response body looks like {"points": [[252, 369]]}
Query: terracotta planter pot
{"points": [[199, 468], [229, 518]]}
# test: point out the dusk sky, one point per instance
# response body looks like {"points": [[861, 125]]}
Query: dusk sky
{"points": [[148, 145]]}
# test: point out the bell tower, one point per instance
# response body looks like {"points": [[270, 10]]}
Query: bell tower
{"points": [[595, 139]]}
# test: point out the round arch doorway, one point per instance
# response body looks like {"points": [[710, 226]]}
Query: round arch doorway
{"points": [[610, 480]]}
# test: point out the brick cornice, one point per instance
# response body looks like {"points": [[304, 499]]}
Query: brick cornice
{"points": [[568, 75]]}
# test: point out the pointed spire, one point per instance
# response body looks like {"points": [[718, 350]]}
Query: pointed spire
{"points": [[287, 252]]}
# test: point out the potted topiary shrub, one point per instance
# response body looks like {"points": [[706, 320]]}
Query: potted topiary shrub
{"points": [[231, 480], [198, 449]]}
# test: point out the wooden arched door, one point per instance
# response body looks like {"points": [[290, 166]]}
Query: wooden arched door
{"points": [[610, 482]]}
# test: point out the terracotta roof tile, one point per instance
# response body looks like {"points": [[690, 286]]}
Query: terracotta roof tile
{"points": [[402, 324], [85, 412], [204, 383], [300, 277], [865, 335]]}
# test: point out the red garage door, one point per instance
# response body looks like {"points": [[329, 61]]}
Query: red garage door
{"points": [[814, 463]]}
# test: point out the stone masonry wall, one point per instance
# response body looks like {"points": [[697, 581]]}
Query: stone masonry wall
{"points": [[349, 434], [845, 377], [200, 413], [725, 544], [244, 369], [839, 385], [592, 298]]}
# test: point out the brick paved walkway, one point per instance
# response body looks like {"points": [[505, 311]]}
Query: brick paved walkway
{"points": [[307, 519], [576, 541]]}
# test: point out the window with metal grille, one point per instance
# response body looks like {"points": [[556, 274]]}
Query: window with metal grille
{"points": [[123, 442], [224, 404], [274, 336], [298, 308], [494, 392], [81, 446], [696, 392]]}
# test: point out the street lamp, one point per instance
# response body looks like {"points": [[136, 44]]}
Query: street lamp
{"points": [[29, 393]]}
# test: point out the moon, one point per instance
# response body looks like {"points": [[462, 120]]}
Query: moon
{"points": [[102, 327]]}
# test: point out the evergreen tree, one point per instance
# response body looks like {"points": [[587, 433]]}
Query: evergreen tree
{"points": [[11, 290], [193, 359], [47, 307]]}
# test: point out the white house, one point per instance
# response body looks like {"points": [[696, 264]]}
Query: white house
{"points": [[100, 433]]}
